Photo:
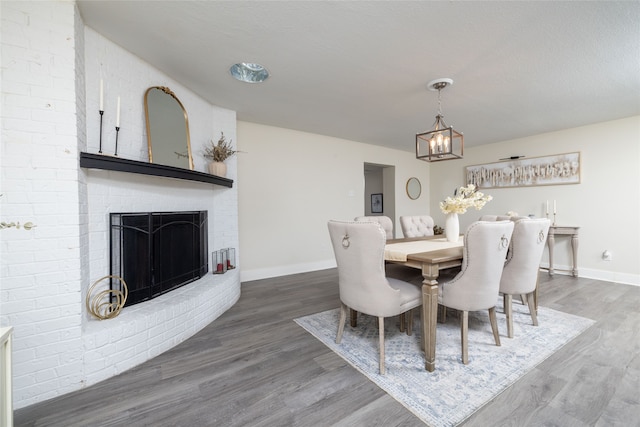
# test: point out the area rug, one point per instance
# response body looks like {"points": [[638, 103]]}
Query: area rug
{"points": [[454, 391]]}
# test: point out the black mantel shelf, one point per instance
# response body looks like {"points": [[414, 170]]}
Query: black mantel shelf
{"points": [[112, 163]]}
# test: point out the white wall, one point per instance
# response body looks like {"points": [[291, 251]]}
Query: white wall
{"points": [[50, 92], [294, 182], [605, 204], [41, 274]]}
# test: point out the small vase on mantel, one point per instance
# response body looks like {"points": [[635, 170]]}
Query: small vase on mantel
{"points": [[452, 227], [217, 153], [218, 168]]}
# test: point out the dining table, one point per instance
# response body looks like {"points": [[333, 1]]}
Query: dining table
{"points": [[430, 255]]}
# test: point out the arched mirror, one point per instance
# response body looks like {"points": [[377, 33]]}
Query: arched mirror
{"points": [[414, 188], [167, 128]]}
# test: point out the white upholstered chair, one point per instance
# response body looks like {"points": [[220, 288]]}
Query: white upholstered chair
{"points": [[359, 252], [416, 226], [476, 286], [520, 273], [384, 221], [501, 218]]}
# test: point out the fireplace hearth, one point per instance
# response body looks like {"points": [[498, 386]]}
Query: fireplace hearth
{"points": [[156, 252]]}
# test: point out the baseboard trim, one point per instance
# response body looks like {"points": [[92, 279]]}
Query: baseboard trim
{"points": [[590, 273], [285, 270]]}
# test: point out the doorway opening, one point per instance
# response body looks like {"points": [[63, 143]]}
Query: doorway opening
{"points": [[379, 191]]}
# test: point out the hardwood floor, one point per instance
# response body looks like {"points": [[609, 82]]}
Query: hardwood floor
{"points": [[254, 366]]}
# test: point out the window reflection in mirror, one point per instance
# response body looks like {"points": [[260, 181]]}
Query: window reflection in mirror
{"points": [[167, 129]]}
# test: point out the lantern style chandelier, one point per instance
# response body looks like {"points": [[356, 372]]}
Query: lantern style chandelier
{"points": [[442, 142]]}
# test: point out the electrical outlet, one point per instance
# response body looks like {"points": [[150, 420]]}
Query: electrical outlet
{"points": [[607, 256]]}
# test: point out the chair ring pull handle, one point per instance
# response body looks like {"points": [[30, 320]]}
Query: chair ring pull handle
{"points": [[504, 242], [541, 236], [345, 241]]}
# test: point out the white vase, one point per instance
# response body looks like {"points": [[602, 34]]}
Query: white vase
{"points": [[218, 168], [452, 227]]}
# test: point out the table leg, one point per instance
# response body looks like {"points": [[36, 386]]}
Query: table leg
{"points": [[429, 314], [574, 247], [551, 240]]}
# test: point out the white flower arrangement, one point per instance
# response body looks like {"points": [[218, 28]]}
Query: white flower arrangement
{"points": [[463, 199]]}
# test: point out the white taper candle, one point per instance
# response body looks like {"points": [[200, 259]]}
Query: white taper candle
{"points": [[101, 95], [118, 114]]}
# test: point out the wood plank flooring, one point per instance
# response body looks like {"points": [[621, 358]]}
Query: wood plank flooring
{"points": [[255, 367]]}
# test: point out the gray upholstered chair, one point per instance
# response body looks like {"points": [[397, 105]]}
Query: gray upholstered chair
{"points": [[476, 286], [520, 273], [359, 252], [384, 221], [416, 226]]}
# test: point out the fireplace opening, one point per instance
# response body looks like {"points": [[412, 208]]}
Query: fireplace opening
{"points": [[156, 252]]}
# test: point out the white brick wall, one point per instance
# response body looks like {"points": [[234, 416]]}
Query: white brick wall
{"points": [[51, 68]]}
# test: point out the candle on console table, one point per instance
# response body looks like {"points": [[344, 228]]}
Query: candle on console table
{"points": [[547, 207], [554, 206], [118, 114], [101, 95]]}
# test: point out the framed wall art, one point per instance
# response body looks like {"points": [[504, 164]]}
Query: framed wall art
{"points": [[546, 170], [376, 203]]}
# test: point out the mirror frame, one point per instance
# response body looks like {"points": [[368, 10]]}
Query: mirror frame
{"points": [[148, 124], [411, 190]]}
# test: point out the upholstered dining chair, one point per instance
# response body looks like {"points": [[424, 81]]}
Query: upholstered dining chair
{"points": [[384, 221], [476, 286], [401, 272], [359, 252], [501, 218], [416, 225], [520, 273]]}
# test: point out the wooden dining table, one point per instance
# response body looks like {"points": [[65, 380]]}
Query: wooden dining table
{"points": [[429, 255]]}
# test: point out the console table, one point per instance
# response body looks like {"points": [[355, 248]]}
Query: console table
{"points": [[558, 230]]}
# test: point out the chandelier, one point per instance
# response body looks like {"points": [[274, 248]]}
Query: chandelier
{"points": [[442, 142]]}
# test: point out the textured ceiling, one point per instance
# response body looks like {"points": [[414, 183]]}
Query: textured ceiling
{"points": [[359, 70]]}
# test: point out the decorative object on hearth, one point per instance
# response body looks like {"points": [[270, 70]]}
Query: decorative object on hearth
{"points": [[231, 258], [107, 303], [219, 259], [463, 199], [218, 153], [442, 142]]}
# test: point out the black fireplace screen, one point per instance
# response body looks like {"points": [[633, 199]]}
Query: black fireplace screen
{"points": [[155, 252]]}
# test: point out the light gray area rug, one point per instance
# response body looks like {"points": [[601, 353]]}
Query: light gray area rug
{"points": [[454, 391]]}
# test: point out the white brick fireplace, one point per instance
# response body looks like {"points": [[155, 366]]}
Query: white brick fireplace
{"points": [[51, 71]]}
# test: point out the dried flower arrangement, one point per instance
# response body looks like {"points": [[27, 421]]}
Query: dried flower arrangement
{"points": [[220, 151]]}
